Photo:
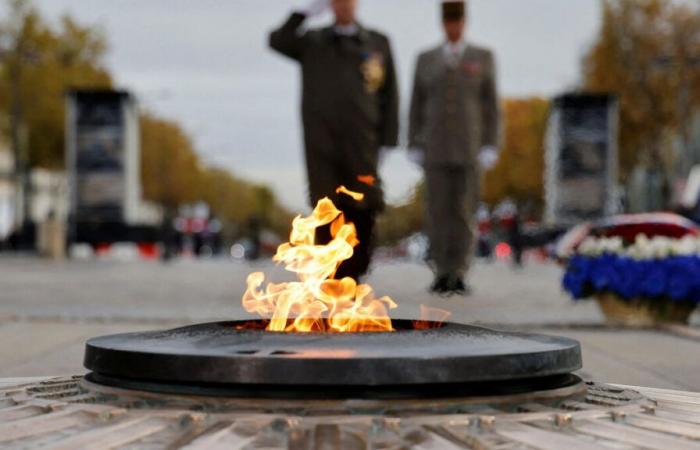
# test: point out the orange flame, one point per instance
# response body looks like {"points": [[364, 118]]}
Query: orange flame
{"points": [[431, 318], [369, 180], [318, 302], [357, 196]]}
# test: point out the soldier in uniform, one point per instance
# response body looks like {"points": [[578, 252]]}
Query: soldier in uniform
{"points": [[350, 107], [453, 133]]}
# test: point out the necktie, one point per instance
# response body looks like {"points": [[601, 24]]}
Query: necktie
{"points": [[454, 57]]}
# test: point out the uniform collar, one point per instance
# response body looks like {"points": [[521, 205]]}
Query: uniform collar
{"points": [[346, 30], [355, 30], [449, 49]]}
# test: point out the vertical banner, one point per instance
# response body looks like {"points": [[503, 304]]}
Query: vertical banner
{"points": [[581, 159], [102, 157], [100, 184]]}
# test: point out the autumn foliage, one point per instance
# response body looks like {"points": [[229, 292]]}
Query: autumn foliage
{"points": [[648, 53], [519, 172], [43, 61]]}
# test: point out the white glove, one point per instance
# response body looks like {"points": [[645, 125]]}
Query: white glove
{"points": [[315, 8], [384, 153], [416, 155], [488, 157]]}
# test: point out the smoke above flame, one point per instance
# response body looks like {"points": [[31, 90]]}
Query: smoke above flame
{"points": [[318, 302]]}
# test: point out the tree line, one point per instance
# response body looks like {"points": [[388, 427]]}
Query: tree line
{"points": [[40, 62]]}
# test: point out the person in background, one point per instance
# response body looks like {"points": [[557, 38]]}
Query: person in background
{"points": [[515, 238], [350, 108], [453, 134]]}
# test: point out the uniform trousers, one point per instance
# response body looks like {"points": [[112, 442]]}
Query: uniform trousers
{"points": [[452, 199], [342, 155]]}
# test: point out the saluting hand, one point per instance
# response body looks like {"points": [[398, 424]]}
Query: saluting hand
{"points": [[315, 8]]}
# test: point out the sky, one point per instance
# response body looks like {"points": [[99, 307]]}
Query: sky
{"points": [[206, 64]]}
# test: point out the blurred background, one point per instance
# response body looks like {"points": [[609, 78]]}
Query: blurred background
{"points": [[133, 132]]}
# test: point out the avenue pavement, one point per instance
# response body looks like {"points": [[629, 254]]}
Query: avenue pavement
{"points": [[48, 310]]}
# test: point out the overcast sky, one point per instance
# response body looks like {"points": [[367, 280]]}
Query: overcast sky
{"points": [[206, 64]]}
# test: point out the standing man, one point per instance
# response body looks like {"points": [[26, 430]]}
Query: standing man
{"points": [[350, 107], [453, 132]]}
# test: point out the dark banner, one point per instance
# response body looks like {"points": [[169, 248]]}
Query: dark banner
{"points": [[99, 156], [582, 155]]}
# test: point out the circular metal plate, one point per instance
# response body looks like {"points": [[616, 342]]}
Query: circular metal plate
{"points": [[219, 353]]}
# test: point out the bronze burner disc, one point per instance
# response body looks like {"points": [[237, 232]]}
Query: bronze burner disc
{"points": [[236, 359]]}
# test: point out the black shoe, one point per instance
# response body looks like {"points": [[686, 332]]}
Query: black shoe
{"points": [[456, 286], [441, 284]]}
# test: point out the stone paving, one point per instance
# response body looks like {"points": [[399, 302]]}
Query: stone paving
{"points": [[48, 310]]}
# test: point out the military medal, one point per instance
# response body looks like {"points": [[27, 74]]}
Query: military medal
{"points": [[374, 73], [472, 68]]}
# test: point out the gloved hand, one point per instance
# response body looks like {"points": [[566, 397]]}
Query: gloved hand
{"points": [[488, 157], [384, 153], [416, 155], [315, 8]]}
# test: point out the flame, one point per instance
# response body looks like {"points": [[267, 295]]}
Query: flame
{"points": [[431, 318], [318, 302], [369, 180], [357, 196]]}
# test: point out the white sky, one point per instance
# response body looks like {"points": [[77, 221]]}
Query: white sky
{"points": [[206, 64]]}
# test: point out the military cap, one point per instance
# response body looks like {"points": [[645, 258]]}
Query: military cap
{"points": [[453, 9]]}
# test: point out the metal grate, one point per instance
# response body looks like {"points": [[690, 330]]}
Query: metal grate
{"points": [[68, 413]]}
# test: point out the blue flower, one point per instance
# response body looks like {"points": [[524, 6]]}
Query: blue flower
{"points": [[683, 277], [576, 279], [655, 281], [675, 277], [628, 274], [603, 272]]}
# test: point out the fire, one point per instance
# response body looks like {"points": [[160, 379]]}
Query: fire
{"points": [[357, 196], [318, 302], [369, 180], [431, 318]]}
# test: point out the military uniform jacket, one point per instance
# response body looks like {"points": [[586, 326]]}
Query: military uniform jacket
{"points": [[454, 109], [347, 81]]}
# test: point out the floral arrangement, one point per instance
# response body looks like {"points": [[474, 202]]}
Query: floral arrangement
{"points": [[660, 269]]}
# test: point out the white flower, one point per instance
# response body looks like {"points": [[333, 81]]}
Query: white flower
{"points": [[661, 247], [642, 248], [613, 245], [686, 246], [589, 247]]}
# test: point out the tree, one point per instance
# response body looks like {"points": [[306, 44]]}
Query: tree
{"points": [[39, 63], [648, 53], [519, 173], [170, 169], [173, 175]]}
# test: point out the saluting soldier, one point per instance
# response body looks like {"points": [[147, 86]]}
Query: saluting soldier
{"points": [[453, 133], [350, 107]]}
